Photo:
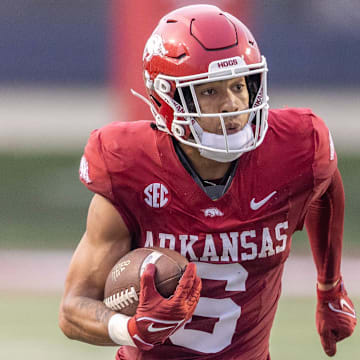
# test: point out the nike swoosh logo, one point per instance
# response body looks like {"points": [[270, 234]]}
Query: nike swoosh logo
{"points": [[257, 205], [153, 329], [171, 324], [343, 304]]}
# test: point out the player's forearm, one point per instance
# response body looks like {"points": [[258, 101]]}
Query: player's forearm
{"points": [[86, 320], [324, 223]]}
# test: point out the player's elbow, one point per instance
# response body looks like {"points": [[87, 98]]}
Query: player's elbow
{"points": [[65, 323]]}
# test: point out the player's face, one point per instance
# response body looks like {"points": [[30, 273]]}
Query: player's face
{"points": [[222, 97]]}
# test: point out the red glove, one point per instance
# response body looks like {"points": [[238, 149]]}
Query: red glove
{"points": [[157, 318], [335, 317]]}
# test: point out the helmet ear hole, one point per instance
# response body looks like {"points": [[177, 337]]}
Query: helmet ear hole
{"points": [[162, 86]]}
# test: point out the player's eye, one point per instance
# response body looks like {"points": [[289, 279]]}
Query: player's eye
{"points": [[208, 92], [238, 87]]}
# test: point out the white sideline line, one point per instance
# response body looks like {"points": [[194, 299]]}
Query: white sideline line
{"points": [[45, 271]]}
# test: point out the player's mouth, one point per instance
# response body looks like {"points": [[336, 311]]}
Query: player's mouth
{"points": [[232, 128]]}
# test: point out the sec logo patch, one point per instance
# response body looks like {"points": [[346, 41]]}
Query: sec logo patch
{"points": [[156, 195]]}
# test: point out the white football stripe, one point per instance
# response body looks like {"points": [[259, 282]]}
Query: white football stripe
{"points": [[152, 258]]}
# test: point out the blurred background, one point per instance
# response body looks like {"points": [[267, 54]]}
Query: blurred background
{"points": [[66, 68]]}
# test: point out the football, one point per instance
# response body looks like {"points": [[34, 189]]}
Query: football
{"points": [[122, 287]]}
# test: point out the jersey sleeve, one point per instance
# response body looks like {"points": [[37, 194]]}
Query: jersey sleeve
{"points": [[96, 172], [325, 214], [325, 223], [93, 171], [325, 159]]}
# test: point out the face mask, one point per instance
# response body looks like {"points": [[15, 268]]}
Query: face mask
{"points": [[237, 141]]}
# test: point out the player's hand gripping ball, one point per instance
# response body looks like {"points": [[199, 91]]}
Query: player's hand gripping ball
{"points": [[157, 318], [158, 288], [122, 288]]}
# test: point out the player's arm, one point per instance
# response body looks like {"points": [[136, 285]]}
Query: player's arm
{"points": [[335, 315], [325, 215], [83, 316], [324, 223]]}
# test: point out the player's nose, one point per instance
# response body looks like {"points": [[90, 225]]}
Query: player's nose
{"points": [[230, 103]]}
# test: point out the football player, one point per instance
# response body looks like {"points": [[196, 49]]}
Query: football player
{"points": [[221, 179]]}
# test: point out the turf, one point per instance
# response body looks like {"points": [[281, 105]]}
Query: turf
{"points": [[45, 204], [294, 335], [28, 329]]}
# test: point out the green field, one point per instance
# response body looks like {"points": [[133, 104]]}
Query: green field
{"points": [[294, 336], [44, 205], [28, 330]]}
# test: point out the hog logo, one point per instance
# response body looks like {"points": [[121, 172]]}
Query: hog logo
{"points": [[84, 170], [154, 46], [212, 212]]}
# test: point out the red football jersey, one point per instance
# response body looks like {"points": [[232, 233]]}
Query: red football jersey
{"points": [[239, 242]]}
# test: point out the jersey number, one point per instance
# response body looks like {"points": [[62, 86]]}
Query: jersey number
{"points": [[226, 310]]}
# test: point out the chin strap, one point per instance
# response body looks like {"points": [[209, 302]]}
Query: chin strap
{"points": [[160, 123], [144, 99]]}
